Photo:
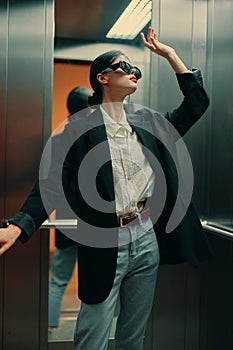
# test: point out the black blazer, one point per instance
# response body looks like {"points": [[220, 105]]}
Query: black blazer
{"points": [[83, 159], [62, 240]]}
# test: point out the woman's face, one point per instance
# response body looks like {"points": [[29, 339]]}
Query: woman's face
{"points": [[118, 81]]}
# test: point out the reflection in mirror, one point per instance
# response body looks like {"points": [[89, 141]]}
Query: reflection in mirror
{"points": [[70, 94], [63, 304]]}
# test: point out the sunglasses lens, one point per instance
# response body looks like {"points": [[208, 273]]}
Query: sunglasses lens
{"points": [[137, 73], [126, 67]]}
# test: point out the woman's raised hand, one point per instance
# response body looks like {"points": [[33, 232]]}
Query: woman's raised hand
{"points": [[153, 43]]}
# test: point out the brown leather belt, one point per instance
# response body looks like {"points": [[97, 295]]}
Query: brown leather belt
{"points": [[132, 218]]}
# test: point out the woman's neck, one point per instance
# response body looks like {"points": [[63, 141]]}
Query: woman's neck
{"points": [[114, 110]]}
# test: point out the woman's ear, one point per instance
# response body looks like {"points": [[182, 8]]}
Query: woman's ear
{"points": [[102, 78]]}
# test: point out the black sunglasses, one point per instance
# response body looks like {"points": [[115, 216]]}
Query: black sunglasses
{"points": [[126, 67]]}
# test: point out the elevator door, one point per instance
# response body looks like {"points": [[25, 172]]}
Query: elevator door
{"points": [[26, 69]]}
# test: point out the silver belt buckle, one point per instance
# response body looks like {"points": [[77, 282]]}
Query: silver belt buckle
{"points": [[121, 221]]}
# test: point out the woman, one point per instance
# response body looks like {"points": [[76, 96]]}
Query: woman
{"points": [[124, 152]]}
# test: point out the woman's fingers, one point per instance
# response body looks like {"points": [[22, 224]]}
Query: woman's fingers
{"points": [[151, 40]]}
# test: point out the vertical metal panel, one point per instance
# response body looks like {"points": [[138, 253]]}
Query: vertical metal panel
{"points": [[196, 139], [175, 317], [183, 25], [28, 111], [176, 309], [43, 290], [3, 89], [220, 155], [216, 319], [217, 283], [3, 96], [170, 308], [202, 33], [174, 28], [48, 39]]}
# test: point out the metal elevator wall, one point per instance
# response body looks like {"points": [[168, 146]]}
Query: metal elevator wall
{"points": [[201, 33], [194, 307], [26, 69]]}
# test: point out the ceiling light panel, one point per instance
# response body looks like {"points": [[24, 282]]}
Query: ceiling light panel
{"points": [[135, 17]]}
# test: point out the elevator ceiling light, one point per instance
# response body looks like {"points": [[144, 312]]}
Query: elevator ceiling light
{"points": [[135, 17]]}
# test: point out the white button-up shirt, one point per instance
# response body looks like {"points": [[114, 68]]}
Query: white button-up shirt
{"points": [[133, 176]]}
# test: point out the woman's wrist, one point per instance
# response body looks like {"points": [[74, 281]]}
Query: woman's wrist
{"points": [[171, 55], [15, 230], [176, 63]]}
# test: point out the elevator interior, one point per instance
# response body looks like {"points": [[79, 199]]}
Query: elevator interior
{"points": [[193, 307]]}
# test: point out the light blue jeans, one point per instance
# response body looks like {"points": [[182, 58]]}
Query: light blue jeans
{"points": [[136, 274], [62, 267]]}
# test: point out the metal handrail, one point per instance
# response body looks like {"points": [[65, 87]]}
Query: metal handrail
{"points": [[217, 229], [72, 223], [60, 223]]}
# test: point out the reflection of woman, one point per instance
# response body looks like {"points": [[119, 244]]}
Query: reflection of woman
{"points": [[65, 255], [118, 251]]}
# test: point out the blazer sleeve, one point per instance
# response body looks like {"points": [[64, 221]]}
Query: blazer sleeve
{"points": [[194, 104], [31, 215], [47, 191]]}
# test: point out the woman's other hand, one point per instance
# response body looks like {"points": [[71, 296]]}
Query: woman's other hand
{"points": [[8, 237]]}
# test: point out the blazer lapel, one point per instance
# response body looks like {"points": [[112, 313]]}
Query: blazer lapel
{"points": [[96, 128], [101, 154]]}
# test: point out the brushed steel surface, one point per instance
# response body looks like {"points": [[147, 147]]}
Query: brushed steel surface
{"points": [[201, 32], [219, 155], [3, 89], [26, 79]]}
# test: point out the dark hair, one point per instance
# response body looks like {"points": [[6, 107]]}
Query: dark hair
{"points": [[98, 65], [78, 99]]}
